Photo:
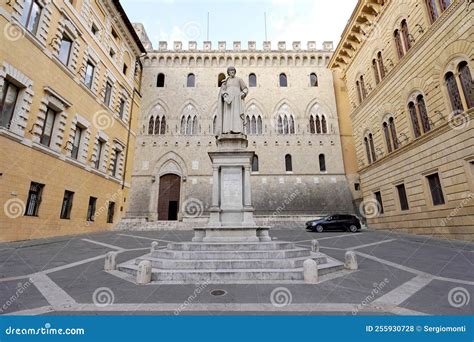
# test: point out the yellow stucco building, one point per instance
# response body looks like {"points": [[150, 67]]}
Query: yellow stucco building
{"points": [[69, 86], [407, 66]]}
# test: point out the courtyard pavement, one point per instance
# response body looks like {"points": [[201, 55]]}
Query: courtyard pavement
{"points": [[398, 275]]}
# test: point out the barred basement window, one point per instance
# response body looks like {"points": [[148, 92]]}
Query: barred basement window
{"points": [[67, 205], [91, 209], [34, 199]]}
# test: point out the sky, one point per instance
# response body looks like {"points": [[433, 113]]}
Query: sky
{"points": [[244, 20]]}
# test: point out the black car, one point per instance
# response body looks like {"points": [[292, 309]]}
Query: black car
{"points": [[334, 222]]}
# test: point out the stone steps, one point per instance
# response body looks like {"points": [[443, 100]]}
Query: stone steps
{"points": [[229, 276], [231, 264], [257, 246], [227, 255]]}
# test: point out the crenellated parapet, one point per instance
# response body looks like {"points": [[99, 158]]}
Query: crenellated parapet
{"points": [[296, 46], [205, 55]]}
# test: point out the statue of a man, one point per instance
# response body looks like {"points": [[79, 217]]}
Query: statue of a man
{"points": [[231, 107]]}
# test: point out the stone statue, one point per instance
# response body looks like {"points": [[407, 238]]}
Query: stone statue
{"points": [[231, 107]]}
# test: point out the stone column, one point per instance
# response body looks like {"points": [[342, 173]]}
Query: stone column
{"points": [[247, 191], [214, 210]]}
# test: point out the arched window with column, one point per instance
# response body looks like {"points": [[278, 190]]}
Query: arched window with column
{"points": [[375, 69], [414, 119], [406, 35], [322, 163], [288, 163], [393, 132], [466, 83], [369, 148], [453, 92], [151, 125], [422, 111], [372, 147], [432, 10], [388, 141], [189, 120], [285, 120], [381, 65], [359, 94]]}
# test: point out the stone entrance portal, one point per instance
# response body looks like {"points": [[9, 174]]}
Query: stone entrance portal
{"points": [[168, 197]]}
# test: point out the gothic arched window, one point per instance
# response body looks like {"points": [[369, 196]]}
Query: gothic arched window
{"points": [[151, 124], [311, 125], [324, 124], [157, 126]]}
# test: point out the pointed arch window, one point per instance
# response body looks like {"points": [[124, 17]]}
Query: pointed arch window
{"points": [[376, 71], [280, 125], [283, 80], [189, 125], [414, 119], [195, 126], [313, 80], [453, 92], [324, 124], [191, 81], [259, 125], [288, 163], [312, 129], [252, 80], [466, 83], [285, 125], [292, 125], [183, 125], [157, 126], [160, 80], [214, 125], [318, 125], [151, 124], [253, 125], [406, 35]]}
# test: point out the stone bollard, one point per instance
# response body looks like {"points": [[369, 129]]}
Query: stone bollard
{"points": [[351, 261], [154, 246], [310, 271], [315, 246], [144, 272], [110, 261]]}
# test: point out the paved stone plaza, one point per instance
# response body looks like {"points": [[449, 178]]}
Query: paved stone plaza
{"points": [[398, 274]]}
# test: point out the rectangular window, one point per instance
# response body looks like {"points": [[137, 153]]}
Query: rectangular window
{"points": [[91, 209], [435, 188], [121, 108], [115, 162], [65, 49], [100, 147], [48, 127], [31, 15], [114, 34], [112, 53], [378, 198], [8, 103], [110, 212], [77, 142], [67, 205], [34, 199], [108, 93], [90, 68], [402, 195]]}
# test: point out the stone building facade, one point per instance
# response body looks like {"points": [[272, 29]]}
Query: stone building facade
{"points": [[291, 122], [407, 65], [69, 87]]}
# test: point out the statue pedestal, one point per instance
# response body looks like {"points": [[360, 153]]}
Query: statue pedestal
{"points": [[231, 213]]}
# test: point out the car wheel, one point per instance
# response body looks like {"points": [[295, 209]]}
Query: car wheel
{"points": [[353, 228], [319, 228]]}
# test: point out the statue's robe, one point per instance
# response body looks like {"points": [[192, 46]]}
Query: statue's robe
{"points": [[231, 107]]}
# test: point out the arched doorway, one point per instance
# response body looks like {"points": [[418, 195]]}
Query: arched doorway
{"points": [[168, 197]]}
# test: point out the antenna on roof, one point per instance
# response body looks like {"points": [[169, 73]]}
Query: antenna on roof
{"points": [[207, 26], [265, 20]]}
